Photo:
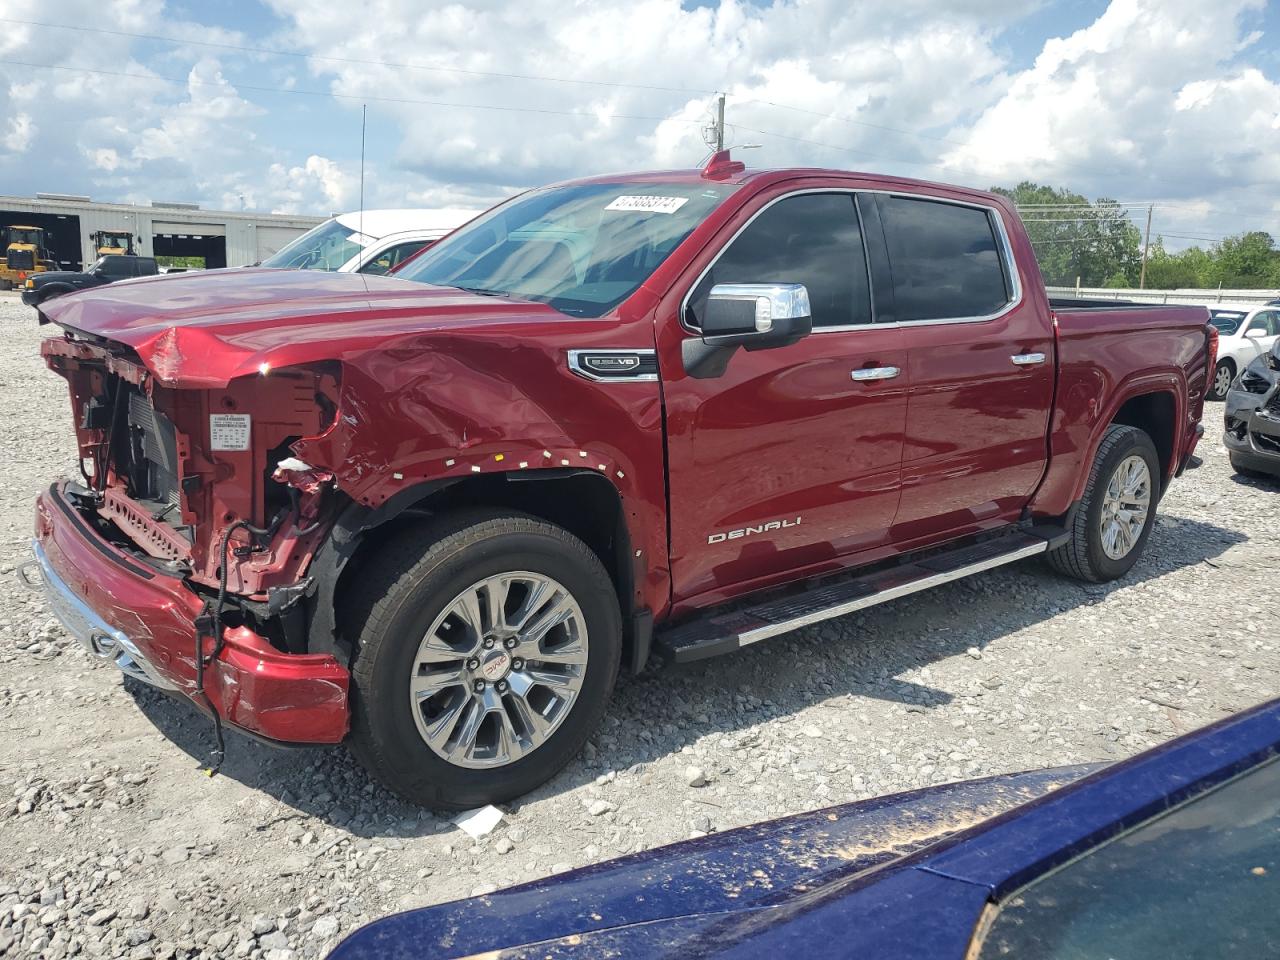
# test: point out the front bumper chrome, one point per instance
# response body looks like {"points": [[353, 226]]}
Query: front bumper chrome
{"points": [[95, 634]]}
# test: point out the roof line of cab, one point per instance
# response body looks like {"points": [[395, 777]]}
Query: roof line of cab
{"points": [[769, 176]]}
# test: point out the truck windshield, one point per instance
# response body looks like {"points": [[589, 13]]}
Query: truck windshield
{"points": [[1227, 321], [326, 247], [582, 249]]}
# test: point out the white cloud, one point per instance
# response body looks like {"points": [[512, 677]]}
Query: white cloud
{"points": [[19, 132], [1156, 98], [1149, 101]]}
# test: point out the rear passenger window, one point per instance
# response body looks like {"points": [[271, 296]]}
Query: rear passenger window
{"points": [[810, 238], [944, 258]]}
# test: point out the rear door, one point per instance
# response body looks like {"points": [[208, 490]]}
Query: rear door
{"points": [[783, 460], [980, 361]]}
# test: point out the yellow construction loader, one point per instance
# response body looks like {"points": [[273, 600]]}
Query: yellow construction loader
{"points": [[106, 242], [24, 254]]}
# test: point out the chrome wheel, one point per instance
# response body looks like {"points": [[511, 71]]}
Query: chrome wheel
{"points": [[1125, 507], [1222, 380], [499, 669]]}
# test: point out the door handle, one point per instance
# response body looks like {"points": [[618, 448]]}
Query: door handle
{"points": [[1027, 359], [875, 373]]}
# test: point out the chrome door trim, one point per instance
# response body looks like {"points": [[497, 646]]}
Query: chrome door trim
{"points": [[1027, 359], [994, 214]]}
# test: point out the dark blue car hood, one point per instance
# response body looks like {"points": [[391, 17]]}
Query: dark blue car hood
{"points": [[647, 903], [906, 876]]}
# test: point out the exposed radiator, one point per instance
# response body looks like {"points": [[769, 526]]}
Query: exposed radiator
{"points": [[153, 452]]}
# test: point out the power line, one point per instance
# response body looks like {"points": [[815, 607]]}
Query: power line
{"points": [[185, 81], [849, 120], [832, 146], [242, 48]]}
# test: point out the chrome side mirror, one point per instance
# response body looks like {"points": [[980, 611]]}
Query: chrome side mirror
{"points": [[756, 316]]}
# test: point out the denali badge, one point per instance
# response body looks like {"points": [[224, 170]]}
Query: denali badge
{"points": [[748, 531]]}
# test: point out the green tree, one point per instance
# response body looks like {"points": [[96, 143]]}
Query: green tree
{"points": [[1073, 237], [1249, 260]]}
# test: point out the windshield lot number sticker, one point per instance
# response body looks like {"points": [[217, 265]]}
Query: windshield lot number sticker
{"points": [[648, 204], [229, 431]]}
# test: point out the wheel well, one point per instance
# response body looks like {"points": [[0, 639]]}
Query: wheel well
{"points": [[1153, 413], [1228, 361], [582, 502]]}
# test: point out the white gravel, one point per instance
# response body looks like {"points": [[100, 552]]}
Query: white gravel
{"points": [[115, 843]]}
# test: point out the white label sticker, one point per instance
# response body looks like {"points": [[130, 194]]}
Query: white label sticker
{"points": [[648, 204], [229, 431]]}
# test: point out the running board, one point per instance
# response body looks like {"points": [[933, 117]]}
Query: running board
{"points": [[736, 629]]}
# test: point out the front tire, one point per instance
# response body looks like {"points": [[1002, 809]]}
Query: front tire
{"points": [[1114, 518], [1223, 374], [486, 652]]}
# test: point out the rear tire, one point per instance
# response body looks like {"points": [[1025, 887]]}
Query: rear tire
{"points": [[1223, 374], [411, 595], [1106, 536]]}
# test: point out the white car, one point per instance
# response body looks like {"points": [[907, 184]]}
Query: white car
{"points": [[370, 241], [1245, 331]]}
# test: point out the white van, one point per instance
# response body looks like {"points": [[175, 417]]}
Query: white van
{"points": [[371, 241]]}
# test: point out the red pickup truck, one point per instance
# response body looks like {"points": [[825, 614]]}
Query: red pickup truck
{"points": [[435, 514]]}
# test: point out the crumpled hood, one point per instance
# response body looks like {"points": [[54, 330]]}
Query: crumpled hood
{"points": [[205, 329]]}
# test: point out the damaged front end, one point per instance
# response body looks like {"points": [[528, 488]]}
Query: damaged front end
{"points": [[198, 492]]}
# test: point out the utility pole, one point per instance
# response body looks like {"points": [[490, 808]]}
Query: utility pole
{"points": [[720, 124], [1146, 246]]}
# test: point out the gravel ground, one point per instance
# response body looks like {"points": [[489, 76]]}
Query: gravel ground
{"points": [[116, 844]]}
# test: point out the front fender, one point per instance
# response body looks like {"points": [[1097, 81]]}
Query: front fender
{"points": [[447, 406]]}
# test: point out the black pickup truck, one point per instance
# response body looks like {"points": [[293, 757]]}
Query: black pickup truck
{"points": [[106, 269]]}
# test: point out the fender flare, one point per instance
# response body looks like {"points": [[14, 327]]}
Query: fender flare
{"points": [[1170, 382], [355, 520]]}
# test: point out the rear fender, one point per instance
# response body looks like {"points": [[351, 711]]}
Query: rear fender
{"points": [[1080, 423]]}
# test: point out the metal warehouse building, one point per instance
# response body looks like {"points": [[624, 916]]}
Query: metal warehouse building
{"points": [[220, 238]]}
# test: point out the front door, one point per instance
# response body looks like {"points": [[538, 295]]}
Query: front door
{"points": [[789, 457]]}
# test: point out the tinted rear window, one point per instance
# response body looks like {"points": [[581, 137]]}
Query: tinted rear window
{"points": [[945, 259]]}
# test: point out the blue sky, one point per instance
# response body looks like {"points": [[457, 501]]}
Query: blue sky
{"points": [[1175, 100]]}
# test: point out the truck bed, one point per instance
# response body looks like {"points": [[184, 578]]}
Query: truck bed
{"points": [[1107, 353]]}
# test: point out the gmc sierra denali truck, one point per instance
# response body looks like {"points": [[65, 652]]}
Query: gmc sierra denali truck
{"points": [[436, 514]]}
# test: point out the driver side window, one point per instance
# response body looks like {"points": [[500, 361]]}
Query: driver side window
{"points": [[811, 238]]}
